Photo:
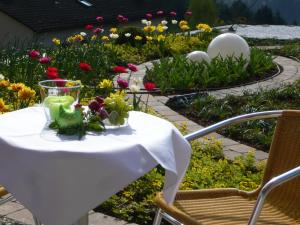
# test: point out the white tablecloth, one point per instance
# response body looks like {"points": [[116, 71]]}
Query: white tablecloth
{"points": [[60, 179]]}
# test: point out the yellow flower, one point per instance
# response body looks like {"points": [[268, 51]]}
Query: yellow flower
{"points": [[113, 30], [161, 37], [71, 39], [78, 37], [182, 23], [149, 38], [105, 38], [94, 37], [2, 106], [160, 28], [149, 29], [106, 84], [26, 93], [56, 41], [4, 83], [204, 27], [72, 83], [16, 86], [185, 27], [138, 38]]}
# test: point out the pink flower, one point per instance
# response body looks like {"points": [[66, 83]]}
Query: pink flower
{"points": [[85, 66], [122, 19], [132, 67], [45, 60], [160, 13], [188, 13], [149, 86], [98, 30], [34, 54], [89, 27], [120, 69], [149, 16], [99, 19], [122, 83], [173, 13]]}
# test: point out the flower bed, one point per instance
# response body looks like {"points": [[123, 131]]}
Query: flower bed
{"points": [[207, 110]]}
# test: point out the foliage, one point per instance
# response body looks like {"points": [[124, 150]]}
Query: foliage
{"points": [[291, 49], [208, 110], [208, 169], [203, 11], [178, 73]]}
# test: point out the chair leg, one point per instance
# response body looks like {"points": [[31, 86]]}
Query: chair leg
{"points": [[158, 217]]}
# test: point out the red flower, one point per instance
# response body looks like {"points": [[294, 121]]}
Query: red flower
{"points": [[60, 82], [45, 60], [98, 30], [188, 13], [160, 13], [173, 13], [99, 19], [89, 27], [34, 54], [52, 73], [122, 19], [85, 66], [132, 67], [149, 16], [122, 83], [149, 86], [120, 69]]}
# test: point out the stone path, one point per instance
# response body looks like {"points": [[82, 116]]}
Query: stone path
{"points": [[13, 213]]}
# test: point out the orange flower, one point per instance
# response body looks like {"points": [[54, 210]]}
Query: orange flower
{"points": [[2, 106], [16, 86], [26, 93], [4, 83]]}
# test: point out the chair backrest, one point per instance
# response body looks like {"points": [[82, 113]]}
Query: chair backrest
{"points": [[285, 155]]}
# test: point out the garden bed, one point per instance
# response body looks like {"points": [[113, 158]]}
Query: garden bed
{"points": [[207, 110]]}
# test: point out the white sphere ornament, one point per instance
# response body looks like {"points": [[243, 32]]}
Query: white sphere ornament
{"points": [[198, 56], [229, 45]]}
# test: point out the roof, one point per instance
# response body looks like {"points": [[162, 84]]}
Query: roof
{"points": [[47, 15]]}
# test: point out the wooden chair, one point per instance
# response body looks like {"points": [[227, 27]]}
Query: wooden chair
{"points": [[276, 201]]}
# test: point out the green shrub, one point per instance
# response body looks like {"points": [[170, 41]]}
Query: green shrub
{"points": [[179, 73], [208, 110], [208, 169]]}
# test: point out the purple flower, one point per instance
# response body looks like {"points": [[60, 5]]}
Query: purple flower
{"points": [[94, 106], [122, 83], [103, 113], [45, 60], [100, 100]]}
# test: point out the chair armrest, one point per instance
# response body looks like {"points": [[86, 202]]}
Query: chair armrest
{"points": [[231, 121], [273, 183]]}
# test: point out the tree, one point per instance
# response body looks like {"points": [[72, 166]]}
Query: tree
{"points": [[204, 11], [264, 15], [239, 12]]}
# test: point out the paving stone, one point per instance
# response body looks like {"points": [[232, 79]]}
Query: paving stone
{"points": [[175, 118], [10, 207], [99, 218], [226, 142], [23, 216], [260, 155], [165, 112], [231, 154], [240, 148]]}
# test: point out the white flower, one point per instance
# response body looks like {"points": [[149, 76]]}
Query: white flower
{"points": [[136, 81], [164, 22], [114, 36], [83, 34], [134, 88], [127, 35], [148, 23], [165, 27], [144, 21], [174, 21], [2, 77]]}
